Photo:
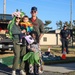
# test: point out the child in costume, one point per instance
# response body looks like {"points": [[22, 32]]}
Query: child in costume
{"points": [[34, 55], [25, 25]]}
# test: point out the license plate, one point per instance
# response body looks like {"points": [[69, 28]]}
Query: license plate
{"points": [[10, 45]]}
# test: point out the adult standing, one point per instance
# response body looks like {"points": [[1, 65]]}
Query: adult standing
{"points": [[38, 25], [65, 35], [18, 51]]}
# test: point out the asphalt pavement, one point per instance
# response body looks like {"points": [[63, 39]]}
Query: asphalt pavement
{"points": [[55, 69]]}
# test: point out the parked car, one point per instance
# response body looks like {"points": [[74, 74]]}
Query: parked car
{"points": [[5, 41]]}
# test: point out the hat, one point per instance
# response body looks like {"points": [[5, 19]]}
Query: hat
{"points": [[65, 26], [18, 14], [34, 8]]}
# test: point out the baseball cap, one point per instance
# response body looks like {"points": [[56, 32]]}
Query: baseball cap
{"points": [[34, 8], [65, 26]]}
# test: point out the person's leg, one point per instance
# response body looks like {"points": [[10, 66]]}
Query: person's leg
{"points": [[22, 63], [31, 68], [63, 44], [20, 39], [37, 63], [40, 66], [66, 45], [16, 56]]}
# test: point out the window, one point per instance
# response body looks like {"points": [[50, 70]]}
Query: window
{"points": [[5, 17], [44, 39]]}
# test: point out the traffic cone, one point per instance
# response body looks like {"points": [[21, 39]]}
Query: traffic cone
{"points": [[64, 54]]}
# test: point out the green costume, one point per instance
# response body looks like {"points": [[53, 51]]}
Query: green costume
{"points": [[32, 57]]}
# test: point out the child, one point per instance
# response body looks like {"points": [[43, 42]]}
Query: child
{"points": [[25, 25], [34, 55]]}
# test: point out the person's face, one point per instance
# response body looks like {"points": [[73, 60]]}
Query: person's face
{"points": [[25, 19], [65, 28], [18, 19], [33, 13], [34, 36]]}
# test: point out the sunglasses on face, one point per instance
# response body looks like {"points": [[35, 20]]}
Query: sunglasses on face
{"points": [[18, 18], [33, 11]]}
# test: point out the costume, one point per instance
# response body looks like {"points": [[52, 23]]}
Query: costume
{"points": [[18, 50], [26, 25], [32, 57]]}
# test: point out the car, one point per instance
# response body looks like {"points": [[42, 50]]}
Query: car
{"points": [[5, 41]]}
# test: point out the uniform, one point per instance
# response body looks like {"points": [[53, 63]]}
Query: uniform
{"points": [[64, 38]]}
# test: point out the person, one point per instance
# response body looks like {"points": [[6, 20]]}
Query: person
{"points": [[18, 51], [38, 25], [25, 25], [65, 35], [33, 56]]}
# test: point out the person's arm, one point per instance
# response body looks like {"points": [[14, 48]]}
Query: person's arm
{"points": [[31, 49], [41, 27], [68, 35], [15, 30]]}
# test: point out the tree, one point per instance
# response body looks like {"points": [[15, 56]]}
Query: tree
{"points": [[46, 25], [59, 24], [74, 22]]}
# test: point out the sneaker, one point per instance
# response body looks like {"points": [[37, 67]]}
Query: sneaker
{"points": [[19, 43], [40, 72], [40, 69], [22, 72], [31, 69], [13, 72]]}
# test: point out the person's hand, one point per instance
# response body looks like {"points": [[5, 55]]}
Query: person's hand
{"points": [[23, 31], [67, 38], [28, 46]]}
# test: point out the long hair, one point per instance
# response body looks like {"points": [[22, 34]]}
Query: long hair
{"points": [[36, 34]]}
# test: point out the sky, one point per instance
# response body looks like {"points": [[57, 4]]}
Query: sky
{"points": [[53, 10]]}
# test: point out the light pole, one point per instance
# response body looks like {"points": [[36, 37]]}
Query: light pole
{"points": [[4, 6], [71, 13], [71, 21]]}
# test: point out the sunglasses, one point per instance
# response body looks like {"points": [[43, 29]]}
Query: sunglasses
{"points": [[33, 11], [18, 18]]}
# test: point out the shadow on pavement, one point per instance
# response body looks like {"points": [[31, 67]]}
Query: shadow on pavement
{"points": [[4, 69]]}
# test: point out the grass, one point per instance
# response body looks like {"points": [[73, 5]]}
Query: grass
{"points": [[7, 60], [56, 50]]}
